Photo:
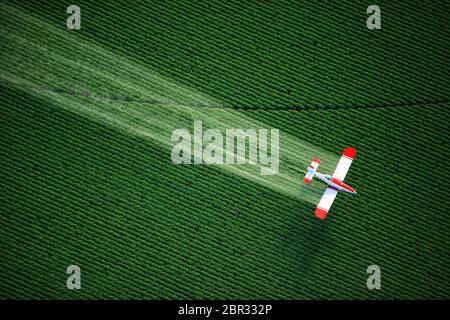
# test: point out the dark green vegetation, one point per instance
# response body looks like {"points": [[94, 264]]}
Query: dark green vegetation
{"points": [[79, 191]]}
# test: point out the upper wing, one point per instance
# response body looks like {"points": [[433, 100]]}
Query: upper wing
{"points": [[325, 203], [344, 163]]}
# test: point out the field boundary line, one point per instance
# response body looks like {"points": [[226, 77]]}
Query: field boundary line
{"points": [[296, 107]]}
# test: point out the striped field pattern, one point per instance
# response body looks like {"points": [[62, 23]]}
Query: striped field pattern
{"points": [[86, 118]]}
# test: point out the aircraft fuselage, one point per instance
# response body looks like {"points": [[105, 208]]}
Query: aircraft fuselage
{"points": [[334, 183]]}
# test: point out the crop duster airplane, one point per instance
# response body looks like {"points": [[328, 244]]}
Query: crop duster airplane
{"points": [[335, 182]]}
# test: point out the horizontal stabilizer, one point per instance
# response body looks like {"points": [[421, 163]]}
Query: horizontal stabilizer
{"points": [[311, 171]]}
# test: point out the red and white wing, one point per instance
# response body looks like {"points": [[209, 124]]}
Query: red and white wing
{"points": [[344, 163], [325, 203], [330, 193]]}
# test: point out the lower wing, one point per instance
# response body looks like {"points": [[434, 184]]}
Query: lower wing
{"points": [[325, 203]]}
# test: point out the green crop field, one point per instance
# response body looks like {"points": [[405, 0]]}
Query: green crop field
{"points": [[87, 179]]}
